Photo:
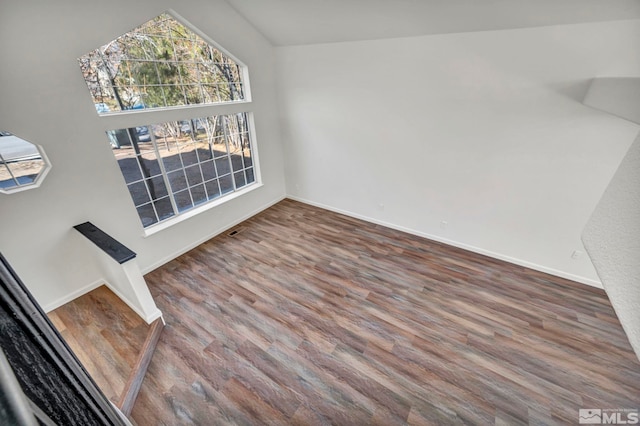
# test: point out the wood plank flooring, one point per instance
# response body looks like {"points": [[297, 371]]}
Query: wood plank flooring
{"points": [[106, 336], [308, 317], [139, 369]]}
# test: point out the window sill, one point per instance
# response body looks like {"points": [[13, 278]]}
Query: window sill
{"points": [[190, 107], [153, 229]]}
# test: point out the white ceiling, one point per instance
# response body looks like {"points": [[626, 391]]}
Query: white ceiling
{"points": [[291, 22]]}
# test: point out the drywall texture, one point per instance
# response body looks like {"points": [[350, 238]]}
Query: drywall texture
{"points": [[476, 139], [45, 100], [616, 95], [612, 240]]}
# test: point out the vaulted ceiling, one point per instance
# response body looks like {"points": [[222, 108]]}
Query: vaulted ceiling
{"points": [[291, 22]]}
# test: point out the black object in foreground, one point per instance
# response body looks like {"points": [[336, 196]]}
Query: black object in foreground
{"points": [[118, 251]]}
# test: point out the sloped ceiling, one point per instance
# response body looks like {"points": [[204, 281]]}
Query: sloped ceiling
{"points": [[292, 22]]}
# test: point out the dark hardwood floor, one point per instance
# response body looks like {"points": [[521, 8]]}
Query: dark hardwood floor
{"points": [[309, 317]]}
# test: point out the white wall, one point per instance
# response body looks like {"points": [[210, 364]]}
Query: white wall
{"points": [[616, 95], [611, 237], [483, 130], [44, 99]]}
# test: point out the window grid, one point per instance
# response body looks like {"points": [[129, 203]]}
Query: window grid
{"points": [[144, 181], [22, 164], [180, 165], [162, 92], [187, 69], [226, 142], [184, 94], [164, 173], [173, 166], [198, 74], [6, 166]]}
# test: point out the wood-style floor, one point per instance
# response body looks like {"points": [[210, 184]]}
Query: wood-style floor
{"points": [[309, 317], [106, 336]]}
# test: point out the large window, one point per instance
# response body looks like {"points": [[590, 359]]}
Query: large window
{"points": [[176, 166], [162, 63], [172, 167]]}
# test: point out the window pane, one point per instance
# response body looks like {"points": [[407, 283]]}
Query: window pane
{"points": [[177, 180], [248, 160], [219, 147], [139, 193], [237, 90], [21, 162], [26, 179], [157, 187], [129, 168], [250, 177], [96, 76], [159, 132], [208, 170], [145, 148], [193, 175], [236, 161], [222, 165], [164, 208], [188, 154], [211, 93], [143, 137], [194, 95], [198, 194], [6, 181], [204, 149], [206, 72], [227, 93], [212, 189], [183, 200], [149, 164], [226, 184], [147, 215], [120, 139], [161, 63], [239, 178], [170, 155], [26, 171], [189, 174]]}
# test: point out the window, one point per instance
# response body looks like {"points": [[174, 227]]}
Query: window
{"points": [[175, 166], [162, 63], [170, 167], [23, 165]]}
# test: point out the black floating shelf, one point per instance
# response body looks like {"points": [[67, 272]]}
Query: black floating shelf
{"points": [[105, 242]]}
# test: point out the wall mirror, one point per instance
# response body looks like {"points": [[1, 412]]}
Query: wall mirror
{"points": [[23, 165]]}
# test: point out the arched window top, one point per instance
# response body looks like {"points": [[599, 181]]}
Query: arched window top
{"points": [[162, 63]]}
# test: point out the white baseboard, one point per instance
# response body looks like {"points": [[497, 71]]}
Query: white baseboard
{"points": [[73, 295], [499, 256], [158, 314], [86, 289], [210, 236]]}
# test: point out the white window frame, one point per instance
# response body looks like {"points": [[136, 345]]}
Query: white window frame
{"points": [[39, 178], [143, 117]]}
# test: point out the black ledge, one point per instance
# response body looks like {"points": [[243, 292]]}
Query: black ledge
{"points": [[105, 242]]}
